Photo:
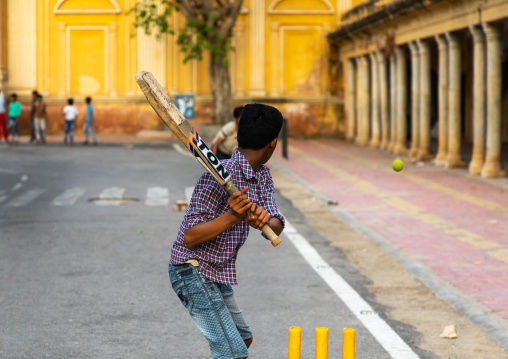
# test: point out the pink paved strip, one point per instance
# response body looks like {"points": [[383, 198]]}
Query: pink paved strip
{"points": [[466, 215], [472, 270]]}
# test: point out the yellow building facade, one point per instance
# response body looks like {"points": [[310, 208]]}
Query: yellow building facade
{"points": [[428, 79], [79, 48]]}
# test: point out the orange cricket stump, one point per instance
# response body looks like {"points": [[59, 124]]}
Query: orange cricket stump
{"points": [[321, 343], [295, 342], [348, 343]]}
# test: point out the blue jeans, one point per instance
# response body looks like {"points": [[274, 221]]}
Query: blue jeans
{"points": [[214, 309], [13, 127], [69, 130], [86, 129]]}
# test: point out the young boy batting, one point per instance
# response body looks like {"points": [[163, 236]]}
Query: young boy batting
{"points": [[202, 267]]}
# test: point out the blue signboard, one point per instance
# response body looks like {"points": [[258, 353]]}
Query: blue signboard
{"points": [[185, 103]]}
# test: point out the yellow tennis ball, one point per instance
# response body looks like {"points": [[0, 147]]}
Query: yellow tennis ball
{"points": [[397, 165]]}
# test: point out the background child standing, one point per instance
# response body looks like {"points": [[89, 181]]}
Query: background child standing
{"points": [[70, 112], [40, 120], [89, 121], [3, 122], [14, 113]]}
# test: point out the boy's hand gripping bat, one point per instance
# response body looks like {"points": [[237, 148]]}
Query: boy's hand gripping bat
{"points": [[183, 130]]}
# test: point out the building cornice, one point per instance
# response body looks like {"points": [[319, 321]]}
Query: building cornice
{"points": [[369, 15]]}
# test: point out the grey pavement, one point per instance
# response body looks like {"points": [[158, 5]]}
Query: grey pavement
{"points": [[90, 281]]}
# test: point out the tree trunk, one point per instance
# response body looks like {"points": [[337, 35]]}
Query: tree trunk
{"points": [[220, 85]]}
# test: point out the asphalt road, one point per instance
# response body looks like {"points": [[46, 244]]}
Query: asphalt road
{"points": [[85, 279]]}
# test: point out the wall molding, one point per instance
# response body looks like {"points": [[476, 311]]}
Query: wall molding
{"points": [[57, 11], [68, 30], [272, 9], [282, 29]]}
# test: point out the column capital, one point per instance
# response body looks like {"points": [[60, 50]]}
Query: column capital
{"points": [[399, 51], [423, 46], [491, 30], [453, 39], [478, 35], [442, 42], [413, 47]]}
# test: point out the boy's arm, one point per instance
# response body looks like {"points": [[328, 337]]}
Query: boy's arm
{"points": [[266, 212], [216, 144], [203, 232], [219, 137], [260, 216]]}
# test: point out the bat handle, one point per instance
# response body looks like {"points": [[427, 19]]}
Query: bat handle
{"points": [[268, 231], [271, 235]]}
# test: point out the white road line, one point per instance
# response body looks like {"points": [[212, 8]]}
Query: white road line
{"points": [[69, 197], [17, 186], [3, 198], [157, 196], [182, 150], [9, 172], [25, 198], [108, 194], [383, 333]]}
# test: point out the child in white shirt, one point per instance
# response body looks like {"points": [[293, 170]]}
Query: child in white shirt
{"points": [[71, 112]]}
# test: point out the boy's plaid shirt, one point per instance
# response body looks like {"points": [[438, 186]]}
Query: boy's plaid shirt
{"points": [[217, 257]]}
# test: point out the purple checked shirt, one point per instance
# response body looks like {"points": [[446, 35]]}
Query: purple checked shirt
{"points": [[217, 258]]}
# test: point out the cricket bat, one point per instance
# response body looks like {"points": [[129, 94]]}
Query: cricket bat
{"points": [[183, 130]]}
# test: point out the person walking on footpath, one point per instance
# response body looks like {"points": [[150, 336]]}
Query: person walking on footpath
{"points": [[33, 136], [40, 120], [89, 122], [225, 142], [202, 265], [3, 121], [70, 112], [14, 113]]}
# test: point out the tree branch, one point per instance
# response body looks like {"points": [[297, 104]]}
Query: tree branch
{"points": [[227, 25]]}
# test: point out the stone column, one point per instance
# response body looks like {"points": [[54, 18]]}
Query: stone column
{"points": [[275, 76], [476, 164], [423, 153], [351, 99], [257, 48], [442, 100], [383, 99], [393, 104], [363, 129], [366, 103], [374, 142], [400, 144], [21, 17], [492, 167], [239, 56], [453, 158], [415, 98], [360, 99]]}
